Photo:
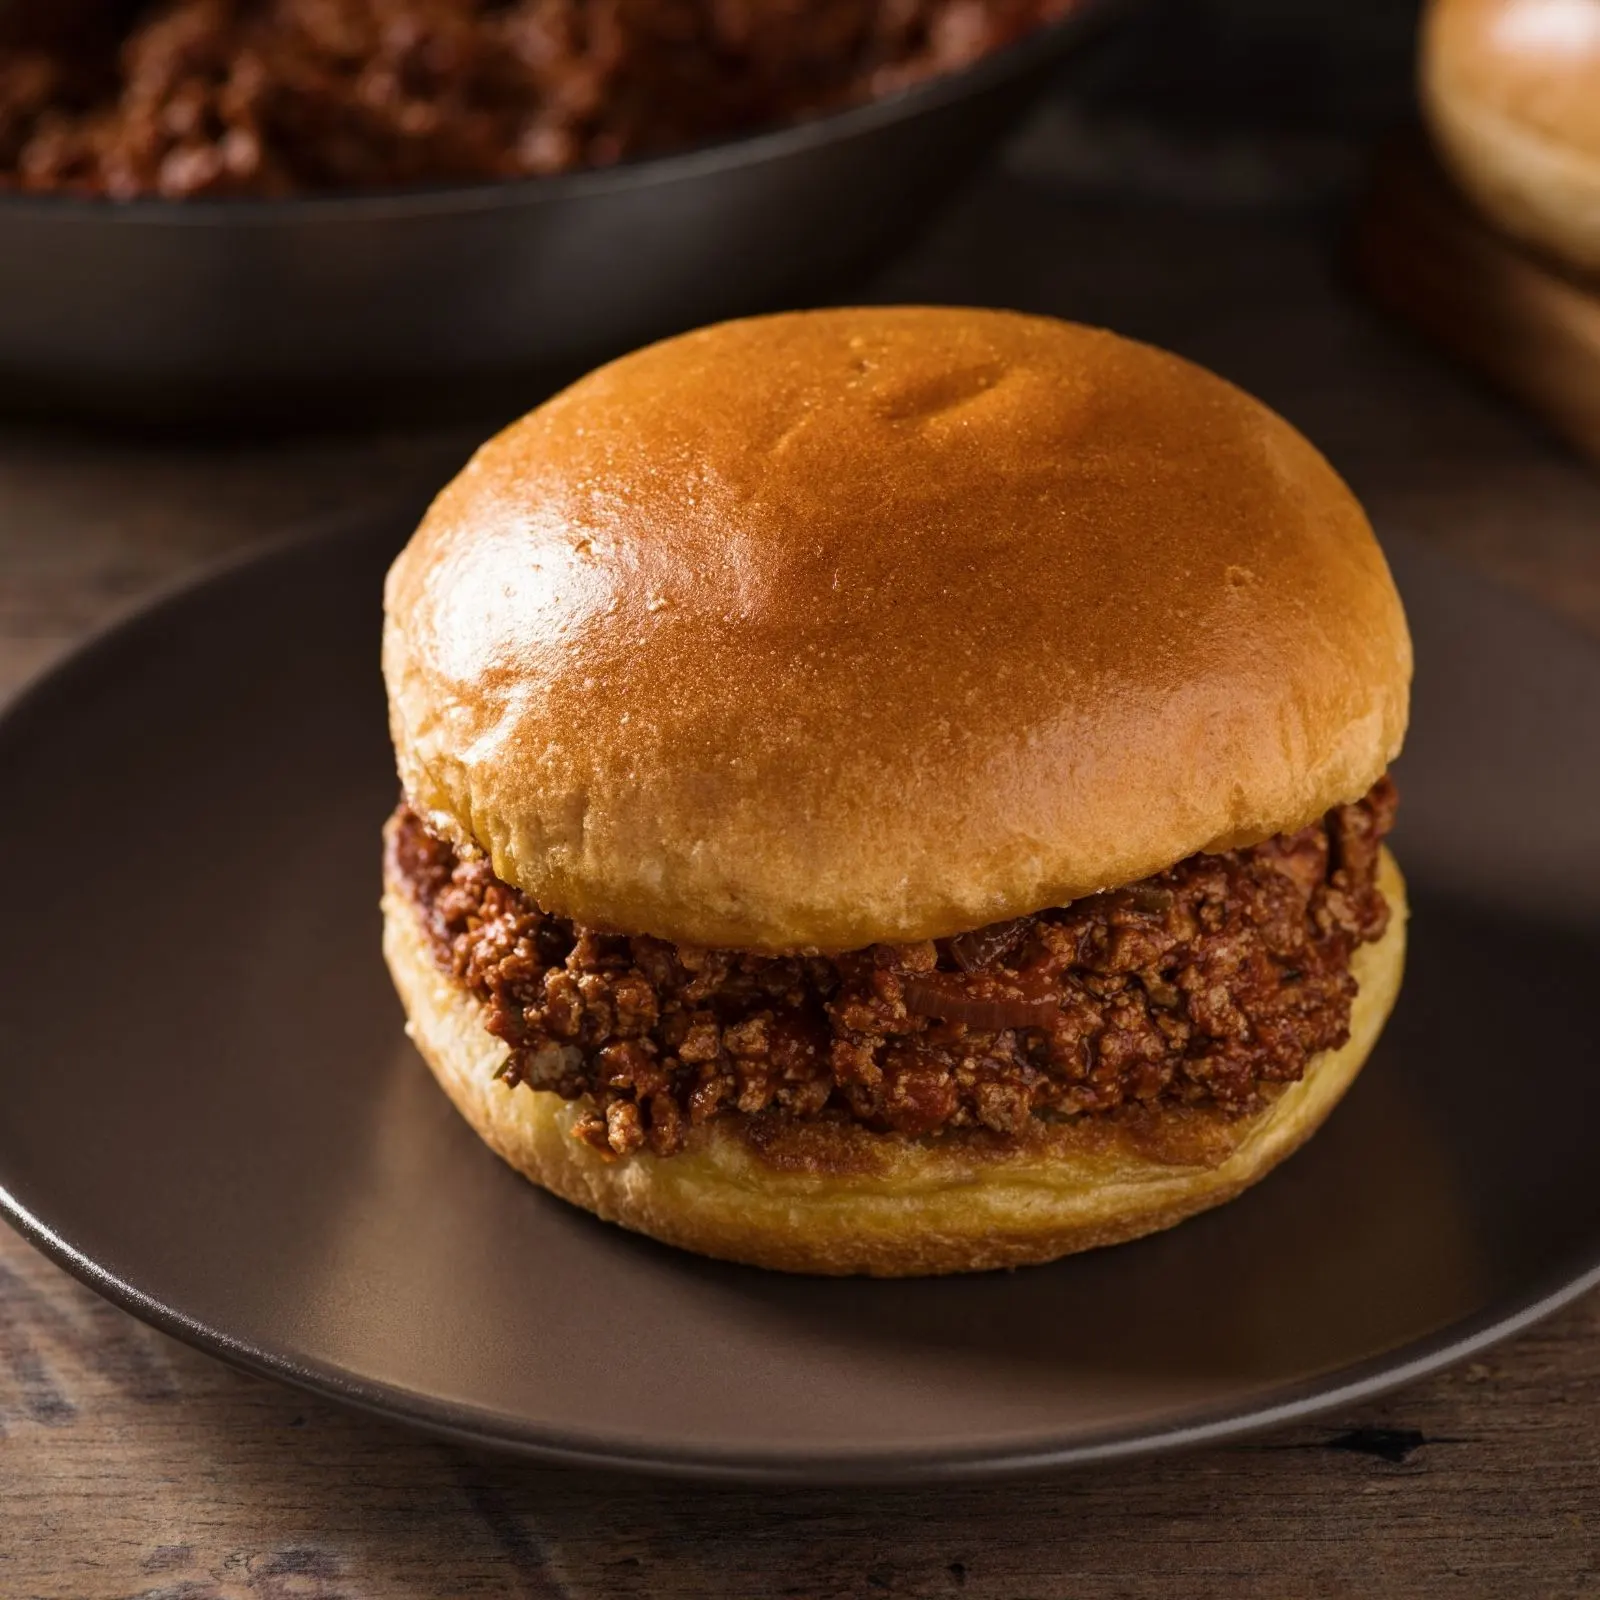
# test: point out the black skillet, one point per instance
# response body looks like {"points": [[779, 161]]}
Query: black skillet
{"points": [[458, 300]]}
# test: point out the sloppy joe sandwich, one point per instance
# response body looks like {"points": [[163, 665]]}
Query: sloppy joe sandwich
{"points": [[895, 791]]}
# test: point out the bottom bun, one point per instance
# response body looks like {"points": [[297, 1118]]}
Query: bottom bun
{"points": [[833, 1197]]}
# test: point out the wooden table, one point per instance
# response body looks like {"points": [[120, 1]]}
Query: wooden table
{"points": [[132, 1466]]}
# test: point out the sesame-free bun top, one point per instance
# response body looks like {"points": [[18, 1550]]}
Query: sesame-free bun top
{"points": [[830, 628]]}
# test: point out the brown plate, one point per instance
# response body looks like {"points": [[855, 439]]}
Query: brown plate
{"points": [[208, 1110]]}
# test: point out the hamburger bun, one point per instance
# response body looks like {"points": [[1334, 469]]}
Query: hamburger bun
{"points": [[838, 1200], [844, 627], [810, 633], [1511, 92]]}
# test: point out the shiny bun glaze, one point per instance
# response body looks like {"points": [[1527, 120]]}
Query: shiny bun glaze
{"points": [[1511, 89], [836, 1198], [826, 629]]}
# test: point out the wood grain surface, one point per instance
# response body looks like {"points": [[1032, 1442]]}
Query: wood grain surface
{"points": [[131, 1466]]}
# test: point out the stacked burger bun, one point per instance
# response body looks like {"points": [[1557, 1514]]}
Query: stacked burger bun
{"points": [[1511, 92]]}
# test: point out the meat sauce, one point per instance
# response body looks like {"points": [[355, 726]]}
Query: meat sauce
{"points": [[1209, 983], [200, 98]]}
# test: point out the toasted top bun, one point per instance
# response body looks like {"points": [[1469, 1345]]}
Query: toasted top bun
{"points": [[1511, 89], [819, 630]]}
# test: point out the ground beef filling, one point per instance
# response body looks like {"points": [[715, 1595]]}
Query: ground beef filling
{"points": [[273, 97], [1204, 985]]}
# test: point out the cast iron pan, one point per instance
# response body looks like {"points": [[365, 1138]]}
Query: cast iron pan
{"points": [[462, 300]]}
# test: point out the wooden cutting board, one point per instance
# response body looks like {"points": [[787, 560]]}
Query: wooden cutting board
{"points": [[1424, 253]]}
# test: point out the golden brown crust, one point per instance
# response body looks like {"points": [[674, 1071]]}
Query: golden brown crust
{"points": [[838, 1199], [1511, 89], [871, 625]]}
